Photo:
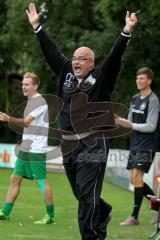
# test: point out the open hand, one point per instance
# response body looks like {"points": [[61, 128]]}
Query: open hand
{"points": [[33, 16]]}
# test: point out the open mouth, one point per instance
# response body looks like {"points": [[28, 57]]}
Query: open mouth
{"points": [[77, 68], [25, 92]]}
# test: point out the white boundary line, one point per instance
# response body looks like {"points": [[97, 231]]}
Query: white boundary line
{"points": [[35, 237]]}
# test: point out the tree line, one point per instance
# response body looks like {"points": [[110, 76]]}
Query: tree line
{"points": [[74, 23]]}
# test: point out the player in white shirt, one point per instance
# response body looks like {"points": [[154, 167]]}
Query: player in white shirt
{"points": [[31, 159]]}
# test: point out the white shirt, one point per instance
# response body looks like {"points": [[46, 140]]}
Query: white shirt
{"points": [[35, 136]]}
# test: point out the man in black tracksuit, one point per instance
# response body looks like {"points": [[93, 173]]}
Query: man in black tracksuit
{"points": [[81, 83]]}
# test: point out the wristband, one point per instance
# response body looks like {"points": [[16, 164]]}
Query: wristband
{"points": [[37, 29], [125, 30]]}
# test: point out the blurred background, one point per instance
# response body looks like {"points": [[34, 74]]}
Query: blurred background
{"points": [[73, 23]]}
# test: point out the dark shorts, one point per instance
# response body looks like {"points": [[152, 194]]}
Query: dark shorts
{"points": [[30, 165], [140, 160]]}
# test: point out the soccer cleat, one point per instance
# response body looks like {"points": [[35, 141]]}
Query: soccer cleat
{"points": [[155, 217], [130, 221], [46, 220], [2, 216]]}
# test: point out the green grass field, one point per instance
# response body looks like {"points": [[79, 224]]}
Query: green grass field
{"points": [[29, 207]]}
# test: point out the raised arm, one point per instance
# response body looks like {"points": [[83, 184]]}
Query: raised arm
{"points": [[53, 55], [33, 16], [131, 21], [120, 45], [112, 63]]}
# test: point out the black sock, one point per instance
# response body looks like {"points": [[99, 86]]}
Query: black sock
{"points": [[138, 197], [147, 191]]}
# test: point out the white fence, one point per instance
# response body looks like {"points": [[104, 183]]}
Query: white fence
{"points": [[117, 173], [116, 166]]}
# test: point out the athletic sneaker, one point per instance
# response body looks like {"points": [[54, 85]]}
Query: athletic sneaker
{"points": [[2, 216], [46, 220], [155, 217], [130, 221]]}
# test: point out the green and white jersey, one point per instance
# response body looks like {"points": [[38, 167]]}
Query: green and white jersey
{"points": [[35, 136]]}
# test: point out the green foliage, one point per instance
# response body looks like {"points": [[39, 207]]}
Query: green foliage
{"points": [[94, 23]]}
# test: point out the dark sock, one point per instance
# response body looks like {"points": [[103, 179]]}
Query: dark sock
{"points": [[147, 191], [7, 208], [50, 210], [138, 197]]}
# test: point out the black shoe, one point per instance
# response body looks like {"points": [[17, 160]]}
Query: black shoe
{"points": [[103, 227]]}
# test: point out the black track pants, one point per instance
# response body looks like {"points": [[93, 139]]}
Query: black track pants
{"points": [[85, 169]]}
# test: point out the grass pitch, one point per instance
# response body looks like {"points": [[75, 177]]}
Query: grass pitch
{"points": [[29, 207]]}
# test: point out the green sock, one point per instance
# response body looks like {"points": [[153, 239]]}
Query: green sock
{"points": [[50, 210], [7, 208]]}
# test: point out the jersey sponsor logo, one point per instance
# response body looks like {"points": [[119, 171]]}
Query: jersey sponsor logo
{"points": [[69, 78], [137, 111], [70, 85], [91, 80], [142, 106], [87, 83], [139, 164]]}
